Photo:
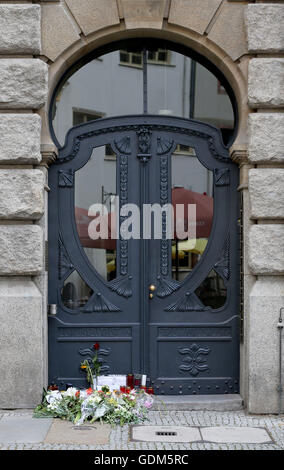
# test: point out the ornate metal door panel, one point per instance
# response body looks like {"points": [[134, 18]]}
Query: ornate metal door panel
{"points": [[146, 318]]}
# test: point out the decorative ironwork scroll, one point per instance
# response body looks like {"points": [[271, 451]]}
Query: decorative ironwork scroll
{"points": [[194, 361], [98, 303], [189, 302], [102, 353], [166, 285], [64, 263], [144, 144]]}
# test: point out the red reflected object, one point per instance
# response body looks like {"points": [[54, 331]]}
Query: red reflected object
{"points": [[122, 388], [204, 210], [150, 391], [130, 379]]}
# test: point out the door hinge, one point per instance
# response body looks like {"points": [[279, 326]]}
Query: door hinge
{"points": [[52, 310]]}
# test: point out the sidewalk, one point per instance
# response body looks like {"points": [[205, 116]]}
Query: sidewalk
{"points": [[232, 430]]}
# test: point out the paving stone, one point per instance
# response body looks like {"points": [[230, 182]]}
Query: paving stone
{"points": [[23, 429], [235, 434], [65, 432]]}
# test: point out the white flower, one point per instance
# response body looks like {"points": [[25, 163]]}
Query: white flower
{"points": [[70, 392], [95, 399], [83, 394], [55, 395]]}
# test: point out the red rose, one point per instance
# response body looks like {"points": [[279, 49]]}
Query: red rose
{"points": [[96, 346], [89, 391], [77, 394]]}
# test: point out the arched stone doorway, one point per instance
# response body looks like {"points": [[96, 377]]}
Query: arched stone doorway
{"points": [[226, 33], [154, 330]]}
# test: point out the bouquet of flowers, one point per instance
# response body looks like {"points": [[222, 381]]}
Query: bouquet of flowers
{"points": [[81, 406]]}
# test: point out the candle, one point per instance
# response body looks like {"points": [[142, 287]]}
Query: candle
{"points": [[130, 380], [150, 391], [122, 388], [143, 380]]}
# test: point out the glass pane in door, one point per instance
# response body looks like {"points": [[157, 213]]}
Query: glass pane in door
{"points": [[95, 214], [192, 199]]}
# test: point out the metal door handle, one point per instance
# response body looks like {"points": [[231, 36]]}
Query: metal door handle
{"points": [[152, 288]]}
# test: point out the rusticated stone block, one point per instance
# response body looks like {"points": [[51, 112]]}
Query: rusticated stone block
{"points": [[266, 83], [21, 194], [20, 138], [266, 137], [266, 249], [23, 83], [143, 13], [93, 15], [265, 27], [21, 346], [193, 14], [20, 29], [266, 193], [265, 300], [21, 249], [228, 31], [58, 32]]}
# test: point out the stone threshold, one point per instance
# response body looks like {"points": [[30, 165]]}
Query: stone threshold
{"points": [[226, 402]]}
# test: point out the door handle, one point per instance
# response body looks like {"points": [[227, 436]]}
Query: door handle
{"points": [[152, 288]]}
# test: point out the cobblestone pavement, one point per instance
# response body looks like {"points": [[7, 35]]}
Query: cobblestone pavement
{"points": [[120, 436]]}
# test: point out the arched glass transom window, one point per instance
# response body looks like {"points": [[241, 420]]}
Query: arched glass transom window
{"points": [[142, 76]]}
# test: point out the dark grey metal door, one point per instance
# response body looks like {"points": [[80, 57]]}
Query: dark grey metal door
{"points": [[167, 308]]}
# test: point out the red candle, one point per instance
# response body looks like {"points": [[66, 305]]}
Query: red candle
{"points": [[129, 382], [143, 387], [128, 389], [150, 391], [122, 388]]}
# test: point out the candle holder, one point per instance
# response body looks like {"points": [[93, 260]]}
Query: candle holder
{"points": [[130, 380], [137, 382]]}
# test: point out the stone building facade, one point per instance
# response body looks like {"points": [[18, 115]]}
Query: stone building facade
{"points": [[39, 41]]}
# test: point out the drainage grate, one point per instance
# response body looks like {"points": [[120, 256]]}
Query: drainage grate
{"points": [[165, 434], [83, 428]]}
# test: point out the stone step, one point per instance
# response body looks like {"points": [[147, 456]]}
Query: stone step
{"points": [[228, 402]]}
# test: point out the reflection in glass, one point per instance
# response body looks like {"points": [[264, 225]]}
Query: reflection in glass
{"points": [[75, 292], [96, 183], [212, 291], [112, 85], [192, 183], [211, 102]]}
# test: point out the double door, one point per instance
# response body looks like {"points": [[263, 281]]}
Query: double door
{"points": [[143, 255]]}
